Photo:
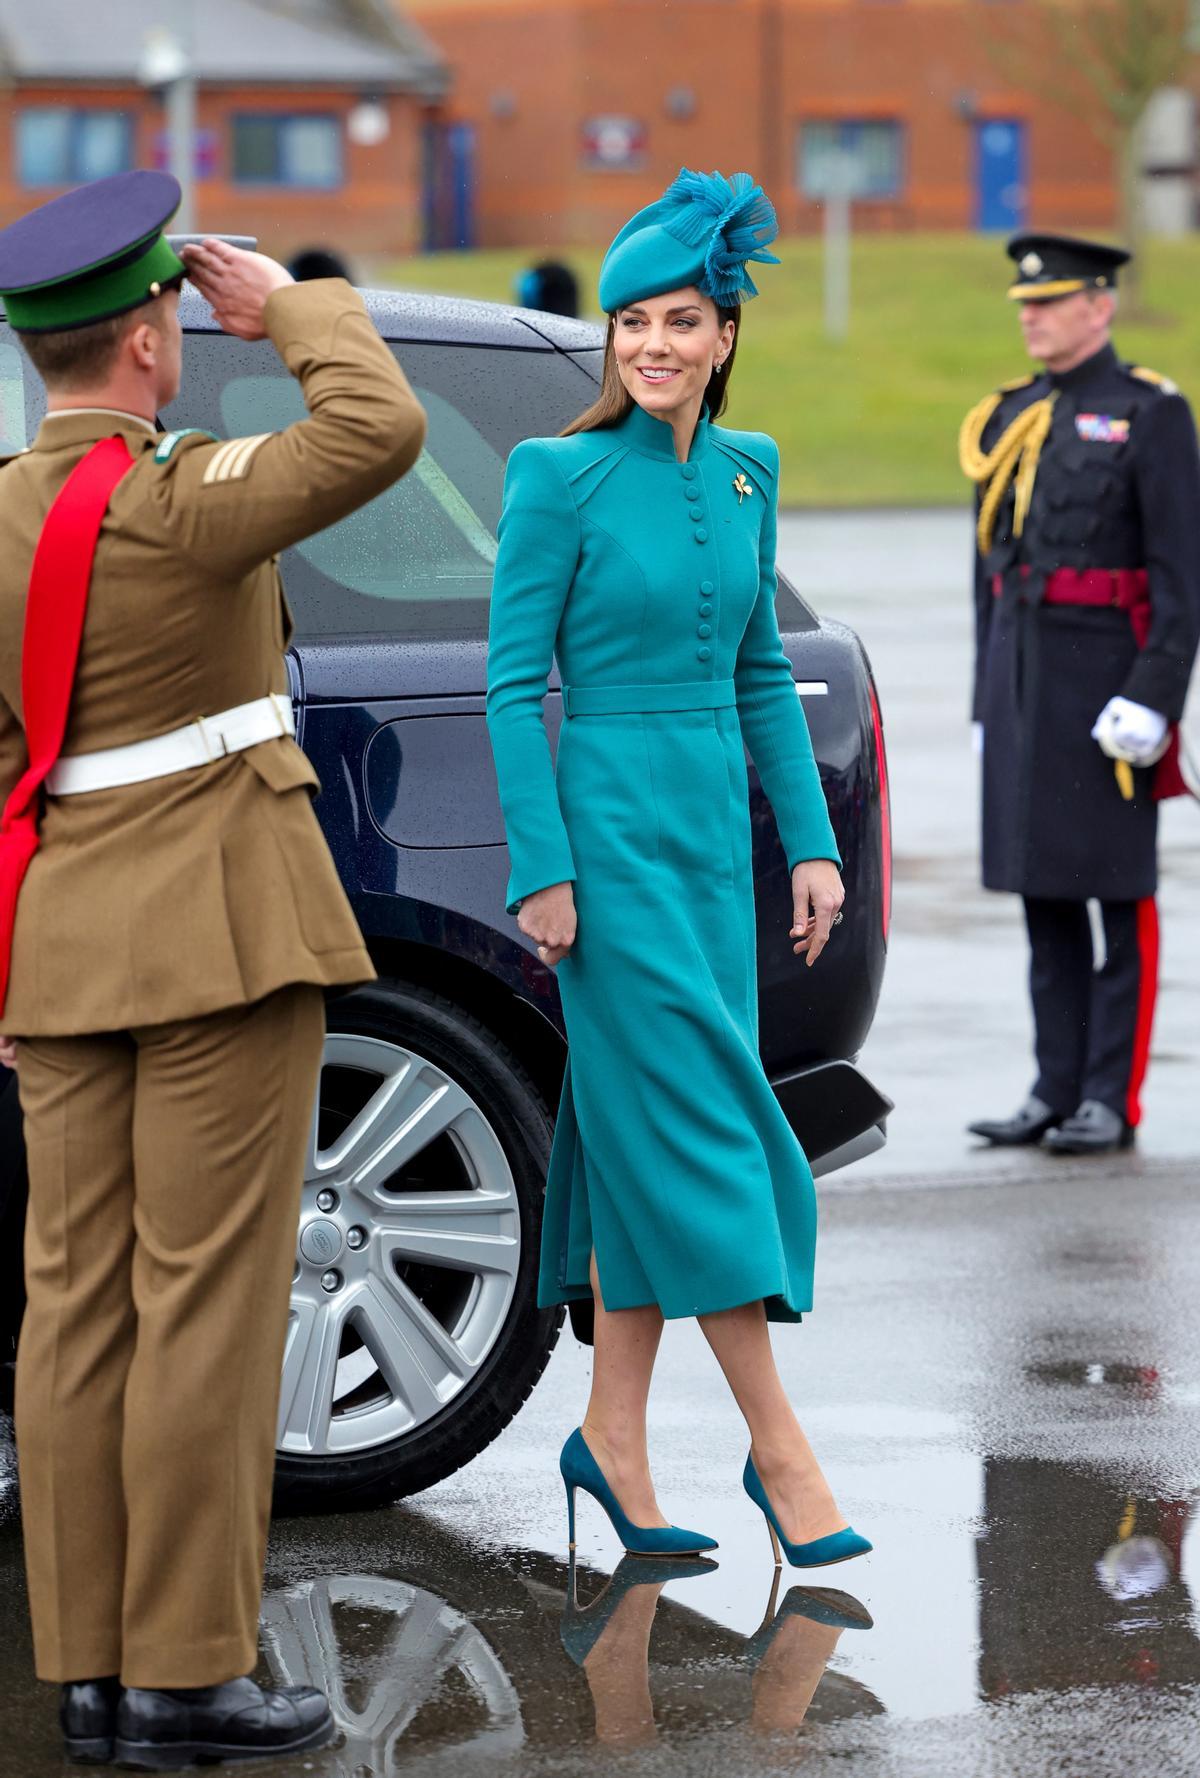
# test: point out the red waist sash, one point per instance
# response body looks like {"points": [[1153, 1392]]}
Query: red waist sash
{"points": [[54, 614], [1119, 589]]}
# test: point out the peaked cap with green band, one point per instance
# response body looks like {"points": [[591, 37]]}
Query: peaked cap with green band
{"points": [[703, 231], [93, 253]]}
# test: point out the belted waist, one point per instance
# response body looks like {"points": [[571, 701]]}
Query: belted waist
{"points": [[622, 700], [1122, 589], [198, 743]]}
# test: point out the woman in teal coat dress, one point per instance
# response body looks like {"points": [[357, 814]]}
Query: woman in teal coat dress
{"points": [[640, 551]]}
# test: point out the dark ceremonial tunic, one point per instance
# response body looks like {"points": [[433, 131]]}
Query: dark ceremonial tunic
{"points": [[1118, 487]]}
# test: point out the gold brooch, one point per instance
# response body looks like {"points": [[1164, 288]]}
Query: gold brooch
{"points": [[742, 486]]}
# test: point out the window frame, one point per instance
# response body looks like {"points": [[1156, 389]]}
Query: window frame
{"points": [[77, 118], [840, 128], [279, 120]]}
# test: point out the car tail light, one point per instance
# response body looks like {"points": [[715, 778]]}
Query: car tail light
{"points": [[885, 811]]}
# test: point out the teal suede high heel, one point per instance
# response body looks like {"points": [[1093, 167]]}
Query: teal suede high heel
{"points": [[580, 1470], [583, 1625], [839, 1546]]}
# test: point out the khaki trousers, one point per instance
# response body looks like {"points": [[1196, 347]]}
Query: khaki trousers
{"points": [[165, 1167]]}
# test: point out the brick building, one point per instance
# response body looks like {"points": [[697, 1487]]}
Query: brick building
{"points": [[571, 113], [310, 115]]}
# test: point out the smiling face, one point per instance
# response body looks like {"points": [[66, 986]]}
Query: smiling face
{"points": [[1068, 329], [666, 349]]}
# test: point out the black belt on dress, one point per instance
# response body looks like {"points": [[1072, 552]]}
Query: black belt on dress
{"points": [[622, 700]]}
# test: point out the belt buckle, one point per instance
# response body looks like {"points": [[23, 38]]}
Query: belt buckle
{"points": [[202, 725]]}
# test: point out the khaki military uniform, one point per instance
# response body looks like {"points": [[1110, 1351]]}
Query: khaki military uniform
{"points": [[171, 944]]}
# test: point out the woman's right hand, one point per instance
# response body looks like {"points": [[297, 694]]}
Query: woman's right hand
{"points": [[548, 918]]}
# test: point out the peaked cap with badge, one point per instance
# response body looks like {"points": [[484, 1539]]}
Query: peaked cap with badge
{"points": [[177, 921], [1087, 591], [652, 581], [91, 254], [1050, 266]]}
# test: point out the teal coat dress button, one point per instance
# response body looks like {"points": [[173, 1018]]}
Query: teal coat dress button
{"points": [[672, 1158]]}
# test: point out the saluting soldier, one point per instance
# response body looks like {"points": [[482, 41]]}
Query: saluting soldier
{"points": [[173, 934], [1087, 602]]}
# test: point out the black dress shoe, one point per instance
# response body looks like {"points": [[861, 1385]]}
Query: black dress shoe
{"points": [[1028, 1125], [1093, 1129], [162, 1731], [87, 1715]]}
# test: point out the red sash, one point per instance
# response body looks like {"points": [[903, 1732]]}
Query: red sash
{"points": [[1121, 589], [54, 614]]}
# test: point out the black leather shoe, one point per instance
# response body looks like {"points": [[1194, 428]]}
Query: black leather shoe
{"points": [[1028, 1125], [1093, 1129], [162, 1731], [87, 1715]]}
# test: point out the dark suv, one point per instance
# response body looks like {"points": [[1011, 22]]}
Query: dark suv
{"points": [[414, 1333]]}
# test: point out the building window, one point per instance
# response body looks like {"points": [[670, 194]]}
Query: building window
{"points": [[871, 156], [57, 145], [301, 151]]}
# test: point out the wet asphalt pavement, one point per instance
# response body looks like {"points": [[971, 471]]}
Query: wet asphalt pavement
{"points": [[1002, 1377]]}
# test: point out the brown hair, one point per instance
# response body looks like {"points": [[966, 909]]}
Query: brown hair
{"points": [[82, 357], [614, 400]]}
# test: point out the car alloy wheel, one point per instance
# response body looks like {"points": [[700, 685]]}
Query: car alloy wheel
{"points": [[408, 1253]]}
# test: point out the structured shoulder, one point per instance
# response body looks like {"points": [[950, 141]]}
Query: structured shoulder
{"points": [[1154, 378], [751, 448], [1014, 383]]}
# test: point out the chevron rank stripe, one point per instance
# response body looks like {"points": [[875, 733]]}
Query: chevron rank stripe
{"points": [[232, 461]]}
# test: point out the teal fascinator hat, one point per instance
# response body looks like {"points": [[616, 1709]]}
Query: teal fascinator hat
{"points": [[704, 230]]}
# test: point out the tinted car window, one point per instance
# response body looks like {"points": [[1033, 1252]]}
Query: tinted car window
{"points": [[417, 561]]}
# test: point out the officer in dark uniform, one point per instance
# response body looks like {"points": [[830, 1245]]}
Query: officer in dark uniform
{"points": [[1087, 601]]}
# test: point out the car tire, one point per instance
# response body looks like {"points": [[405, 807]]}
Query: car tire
{"points": [[506, 1110]]}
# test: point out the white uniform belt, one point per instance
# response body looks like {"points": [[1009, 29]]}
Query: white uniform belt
{"points": [[202, 742]]}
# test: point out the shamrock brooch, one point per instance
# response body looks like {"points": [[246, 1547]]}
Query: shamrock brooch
{"points": [[742, 486]]}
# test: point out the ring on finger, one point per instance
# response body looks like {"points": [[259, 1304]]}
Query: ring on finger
{"points": [[837, 919]]}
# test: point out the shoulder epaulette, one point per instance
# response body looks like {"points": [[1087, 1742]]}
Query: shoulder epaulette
{"points": [[167, 443], [1154, 376], [1017, 383]]}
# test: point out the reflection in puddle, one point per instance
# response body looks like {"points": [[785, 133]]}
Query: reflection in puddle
{"points": [[394, 1661], [1082, 1584], [553, 1659]]}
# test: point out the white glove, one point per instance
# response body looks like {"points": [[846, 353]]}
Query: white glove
{"points": [[1131, 732]]}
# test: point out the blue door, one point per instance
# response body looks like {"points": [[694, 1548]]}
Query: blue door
{"points": [[448, 185], [1000, 174]]}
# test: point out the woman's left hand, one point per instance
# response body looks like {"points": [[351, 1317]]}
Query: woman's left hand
{"points": [[817, 896]]}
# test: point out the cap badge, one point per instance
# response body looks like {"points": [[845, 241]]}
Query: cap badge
{"points": [[742, 486], [1031, 265]]}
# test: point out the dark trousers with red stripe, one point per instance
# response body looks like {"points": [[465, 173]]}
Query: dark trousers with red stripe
{"points": [[1092, 1021]]}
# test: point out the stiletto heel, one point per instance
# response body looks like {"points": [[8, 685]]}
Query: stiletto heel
{"points": [[580, 1470], [583, 1625], [821, 1552], [775, 1549]]}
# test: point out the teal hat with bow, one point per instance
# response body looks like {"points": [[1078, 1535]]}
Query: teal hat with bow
{"points": [[703, 231]]}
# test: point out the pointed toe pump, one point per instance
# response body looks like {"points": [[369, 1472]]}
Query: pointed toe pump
{"points": [[839, 1546], [580, 1470]]}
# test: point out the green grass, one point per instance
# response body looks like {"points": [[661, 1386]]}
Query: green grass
{"points": [[874, 421]]}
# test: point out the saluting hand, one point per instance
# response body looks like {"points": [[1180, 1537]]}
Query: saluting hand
{"points": [[548, 917], [236, 284], [817, 897]]}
